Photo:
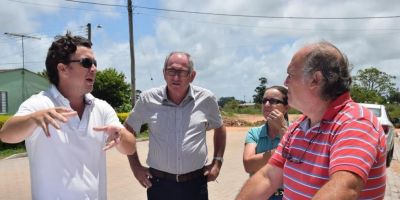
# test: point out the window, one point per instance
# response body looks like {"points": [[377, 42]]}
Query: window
{"points": [[376, 111], [3, 102]]}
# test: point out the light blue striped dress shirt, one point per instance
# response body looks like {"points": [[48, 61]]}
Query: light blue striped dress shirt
{"points": [[177, 133]]}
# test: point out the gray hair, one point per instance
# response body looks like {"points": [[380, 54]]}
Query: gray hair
{"points": [[190, 61], [334, 66]]}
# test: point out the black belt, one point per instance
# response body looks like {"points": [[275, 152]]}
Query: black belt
{"points": [[177, 177]]}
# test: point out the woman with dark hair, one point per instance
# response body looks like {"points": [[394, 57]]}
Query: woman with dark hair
{"points": [[261, 141]]}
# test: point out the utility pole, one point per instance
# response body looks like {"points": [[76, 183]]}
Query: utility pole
{"points": [[133, 86], [132, 54], [22, 36], [89, 31]]}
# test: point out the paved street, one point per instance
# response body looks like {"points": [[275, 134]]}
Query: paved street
{"points": [[14, 174]]}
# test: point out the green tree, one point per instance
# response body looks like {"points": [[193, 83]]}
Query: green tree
{"points": [[257, 98], [223, 100], [371, 79], [111, 87], [232, 105], [394, 96], [127, 106], [363, 95]]}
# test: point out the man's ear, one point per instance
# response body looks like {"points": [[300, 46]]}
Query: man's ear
{"points": [[317, 78], [164, 75], [61, 69], [192, 75]]}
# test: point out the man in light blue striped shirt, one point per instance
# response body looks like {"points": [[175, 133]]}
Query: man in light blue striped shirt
{"points": [[178, 116]]}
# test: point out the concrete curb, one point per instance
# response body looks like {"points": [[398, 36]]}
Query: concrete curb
{"points": [[18, 155]]}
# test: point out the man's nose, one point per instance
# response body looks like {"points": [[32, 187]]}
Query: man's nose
{"points": [[93, 68], [176, 76]]}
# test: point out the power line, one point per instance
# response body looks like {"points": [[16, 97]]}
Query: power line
{"points": [[209, 13], [101, 4], [268, 17], [55, 6], [15, 63], [267, 27], [241, 15], [131, 41]]}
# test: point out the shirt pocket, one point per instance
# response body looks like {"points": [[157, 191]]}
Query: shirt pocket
{"points": [[160, 125], [198, 122]]}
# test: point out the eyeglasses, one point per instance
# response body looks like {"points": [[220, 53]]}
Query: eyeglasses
{"points": [[86, 62], [180, 73], [286, 148], [272, 101]]}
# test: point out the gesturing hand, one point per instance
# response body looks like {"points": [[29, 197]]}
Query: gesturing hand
{"points": [[114, 135], [52, 116]]}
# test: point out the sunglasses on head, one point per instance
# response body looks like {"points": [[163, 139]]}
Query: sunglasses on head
{"points": [[272, 101], [287, 148], [86, 62]]}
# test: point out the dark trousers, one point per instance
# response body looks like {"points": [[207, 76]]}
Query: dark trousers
{"points": [[162, 189], [278, 195], [273, 197]]}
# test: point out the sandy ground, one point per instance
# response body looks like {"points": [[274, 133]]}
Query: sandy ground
{"points": [[121, 184]]}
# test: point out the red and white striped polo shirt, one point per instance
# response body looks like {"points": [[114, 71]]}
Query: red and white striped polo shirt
{"points": [[348, 138]]}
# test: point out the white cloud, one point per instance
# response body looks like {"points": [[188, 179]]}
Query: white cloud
{"points": [[230, 53]]}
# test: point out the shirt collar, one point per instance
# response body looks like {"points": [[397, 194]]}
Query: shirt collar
{"points": [[55, 93], [89, 98], [336, 105], [277, 136], [189, 95]]}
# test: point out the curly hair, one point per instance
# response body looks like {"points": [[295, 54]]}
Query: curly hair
{"points": [[60, 51], [334, 66]]}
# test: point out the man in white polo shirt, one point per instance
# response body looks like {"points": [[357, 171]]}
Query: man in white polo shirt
{"points": [[66, 129], [178, 116]]}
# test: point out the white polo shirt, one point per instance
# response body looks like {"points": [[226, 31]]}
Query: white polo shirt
{"points": [[71, 163]]}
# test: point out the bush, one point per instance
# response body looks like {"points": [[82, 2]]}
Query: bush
{"points": [[122, 117], [394, 114], [293, 111], [393, 110], [3, 119], [232, 107]]}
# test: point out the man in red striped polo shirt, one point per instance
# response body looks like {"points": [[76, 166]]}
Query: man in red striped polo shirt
{"points": [[336, 150]]}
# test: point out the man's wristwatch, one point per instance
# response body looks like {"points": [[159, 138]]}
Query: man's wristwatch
{"points": [[221, 159]]}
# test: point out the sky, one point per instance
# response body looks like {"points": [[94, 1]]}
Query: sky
{"points": [[232, 46]]}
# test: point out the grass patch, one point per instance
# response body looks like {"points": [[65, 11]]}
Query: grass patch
{"points": [[143, 135], [8, 152], [251, 110]]}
